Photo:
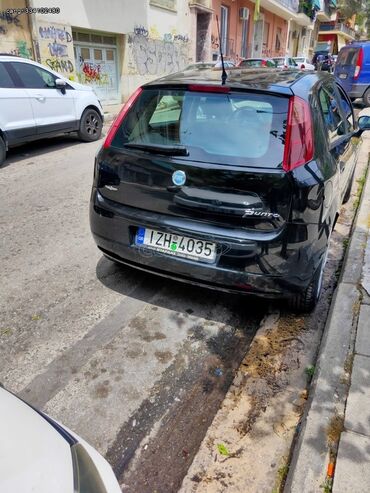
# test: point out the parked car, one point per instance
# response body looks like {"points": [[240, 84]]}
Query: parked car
{"points": [[37, 102], [256, 63], [236, 187], [322, 60], [209, 65], [303, 63], [285, 62], [38, 455], [353, 70]]}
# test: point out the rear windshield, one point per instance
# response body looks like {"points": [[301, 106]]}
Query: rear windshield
{"points": [[348, 57], [235, 128]]}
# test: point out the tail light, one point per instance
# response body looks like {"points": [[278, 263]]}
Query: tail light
{"points": [[360, 59], [120, 117], [298, 148], [303, 66]]}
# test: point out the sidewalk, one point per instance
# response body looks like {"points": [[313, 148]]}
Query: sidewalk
{"points": [[110, 112], [339, 407]]}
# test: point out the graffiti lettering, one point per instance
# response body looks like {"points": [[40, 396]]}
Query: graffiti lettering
{"points": [[181, 37], [154, 56], [52, 32], [10, 18], [141, 31], [57, 49], [167, 37], [60, 65]]}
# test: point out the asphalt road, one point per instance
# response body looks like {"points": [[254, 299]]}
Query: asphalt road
{"points": [[130, 362], [110, 352]]}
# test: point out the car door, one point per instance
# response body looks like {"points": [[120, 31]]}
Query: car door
{"points": [[338, 120], [345, 66], [16, 115], [53, 109]]}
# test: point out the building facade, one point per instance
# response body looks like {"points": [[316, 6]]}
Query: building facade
{"points": [[113, 46]]}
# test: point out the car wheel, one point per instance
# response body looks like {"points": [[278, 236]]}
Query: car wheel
{"points": [[347, 194], [366, 97], [91, 126], [2, 151], [305, 301]]}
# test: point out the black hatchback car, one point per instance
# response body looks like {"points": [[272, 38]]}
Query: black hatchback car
{"points": [[236, 187]]}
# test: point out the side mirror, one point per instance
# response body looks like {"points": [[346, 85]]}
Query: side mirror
{"points": [[364, 122], [61, 84]]}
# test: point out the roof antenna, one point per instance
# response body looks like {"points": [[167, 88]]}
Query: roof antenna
{"points": [[224, 74]]}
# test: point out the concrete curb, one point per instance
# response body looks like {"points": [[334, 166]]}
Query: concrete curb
{"points": [[329, 389]]}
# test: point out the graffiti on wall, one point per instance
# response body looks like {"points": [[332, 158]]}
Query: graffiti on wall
{"points": [[96, 74], [56, 47], [15, 37], [156, 56]]}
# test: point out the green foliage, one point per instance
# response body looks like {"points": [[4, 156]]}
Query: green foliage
{"points": [[222, 449]]}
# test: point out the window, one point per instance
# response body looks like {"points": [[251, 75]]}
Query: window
{"points": [[98, 55], [5, 79], [348, 56], [331, 111], [238, 129], [224, 28], [278, 43], [347, 110], [34, 77]]}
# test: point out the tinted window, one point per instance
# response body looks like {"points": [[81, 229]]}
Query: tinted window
{"points": [[34, 77], [330, 108], [348, 56], [231, 128], [5, 79]]}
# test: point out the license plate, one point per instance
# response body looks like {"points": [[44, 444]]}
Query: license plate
{"points": [[173, 244], [343, 76]]}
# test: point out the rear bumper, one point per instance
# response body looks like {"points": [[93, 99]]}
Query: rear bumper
{"points": [[357, 90], [260, 263]]}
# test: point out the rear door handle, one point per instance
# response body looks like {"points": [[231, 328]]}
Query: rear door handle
{"points": [[342, 165], [40, 98]]}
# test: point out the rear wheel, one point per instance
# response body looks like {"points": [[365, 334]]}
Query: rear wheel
{"points": [[91, 126], [305, 301], [2, 151], [366, 97]]}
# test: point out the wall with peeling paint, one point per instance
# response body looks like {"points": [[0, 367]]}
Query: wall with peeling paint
{"points": [[15, 37], [159, 47]]}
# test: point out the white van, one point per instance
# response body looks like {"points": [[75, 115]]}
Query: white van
{"points": [[37, 102]]}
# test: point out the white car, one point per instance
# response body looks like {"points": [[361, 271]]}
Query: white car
{"points": [[304, 63], [37, 102], [38, 455]]}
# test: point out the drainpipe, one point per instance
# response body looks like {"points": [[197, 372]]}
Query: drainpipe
{"points": [[33, 30], [287, 38]]}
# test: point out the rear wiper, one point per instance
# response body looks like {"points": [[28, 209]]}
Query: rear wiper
{"points": [[168, 150]]}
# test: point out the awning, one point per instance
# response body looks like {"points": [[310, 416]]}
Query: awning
{"points": [[316, 4], [333, 3]]}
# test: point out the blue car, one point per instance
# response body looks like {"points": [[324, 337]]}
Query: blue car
{"points": [[352, 69]]}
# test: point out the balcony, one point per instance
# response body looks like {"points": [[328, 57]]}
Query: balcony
{"points": [[326, 13], [205, 5], [337, 28]]}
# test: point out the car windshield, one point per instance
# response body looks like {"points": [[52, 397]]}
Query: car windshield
{"points": [[235, 128]]}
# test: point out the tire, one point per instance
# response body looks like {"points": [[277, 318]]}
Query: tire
{"points": [[366, 97], [2, 151], [305, 301], [91, 126], [347, 194]]}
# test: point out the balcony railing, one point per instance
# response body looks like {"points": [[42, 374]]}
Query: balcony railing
{"points": [[339, 26], [290, 4]]}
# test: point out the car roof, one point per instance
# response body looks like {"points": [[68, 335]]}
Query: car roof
{"points": [[268, 80]]}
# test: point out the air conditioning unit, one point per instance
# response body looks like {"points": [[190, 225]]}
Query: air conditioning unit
{"points": [[244, 13]]}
